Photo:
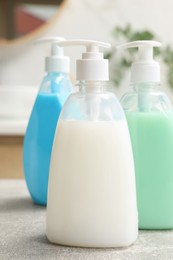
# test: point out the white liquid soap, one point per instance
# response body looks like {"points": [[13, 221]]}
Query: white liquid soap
{"points": [[93, 189]]}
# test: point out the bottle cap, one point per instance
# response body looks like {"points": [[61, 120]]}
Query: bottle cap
{"points": [[92, 66], [56, 62], [145, 68]]}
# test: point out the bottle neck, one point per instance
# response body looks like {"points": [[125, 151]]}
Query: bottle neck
{"points": [[146, 87], [56, 73], [144, 95], [92, 86]]}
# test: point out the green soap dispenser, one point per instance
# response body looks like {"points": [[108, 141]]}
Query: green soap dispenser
{"points": [[150, 119]]}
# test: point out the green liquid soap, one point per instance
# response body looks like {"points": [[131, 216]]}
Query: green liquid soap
{"points": [[152, 141]]}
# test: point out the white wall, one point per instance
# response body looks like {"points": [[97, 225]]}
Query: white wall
{"points": [[86, 19]]}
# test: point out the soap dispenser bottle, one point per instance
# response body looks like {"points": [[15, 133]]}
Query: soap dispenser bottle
{"points": [[150, 119], [54, 90], [91, 194]]}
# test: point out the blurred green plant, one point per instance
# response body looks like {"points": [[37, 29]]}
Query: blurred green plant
{"points": [[121, 63]]}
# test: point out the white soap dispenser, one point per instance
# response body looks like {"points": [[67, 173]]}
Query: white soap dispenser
{"points": [[91, 194]]}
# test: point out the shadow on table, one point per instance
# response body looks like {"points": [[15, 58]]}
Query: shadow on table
{"points": [[18, 204]]}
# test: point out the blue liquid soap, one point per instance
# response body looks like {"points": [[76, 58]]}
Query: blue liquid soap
{"points": [[39, 139]]}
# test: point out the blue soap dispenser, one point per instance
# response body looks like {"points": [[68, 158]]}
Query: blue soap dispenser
{"points": [[54, 90]]}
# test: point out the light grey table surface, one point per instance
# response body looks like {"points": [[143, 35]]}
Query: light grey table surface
{"points": [[22, 234]]}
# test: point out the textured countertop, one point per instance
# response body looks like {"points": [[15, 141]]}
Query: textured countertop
{"points": [[22, 234]]}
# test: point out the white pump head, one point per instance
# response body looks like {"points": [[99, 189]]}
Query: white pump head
{"points": [[56, 62], [92, 66], [145, 68]]}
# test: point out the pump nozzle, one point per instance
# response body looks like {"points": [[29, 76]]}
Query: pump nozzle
{"points": [[145, 68], [144, 71], [56, 62], [92, 66]]}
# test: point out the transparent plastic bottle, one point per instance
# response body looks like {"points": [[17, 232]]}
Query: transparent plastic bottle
{"points": [[150, 118], [38, 141], [92, 196]]}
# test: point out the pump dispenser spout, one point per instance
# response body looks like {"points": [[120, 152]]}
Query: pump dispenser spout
{"points": [[92, 66], [56, 61], [145, 48], [145, 69]]}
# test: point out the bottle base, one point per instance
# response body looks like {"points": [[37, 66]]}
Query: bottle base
{"points": [[38, 201], [93, 244], [156, 228]]}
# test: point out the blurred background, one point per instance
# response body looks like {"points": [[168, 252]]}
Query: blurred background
{"points": [[22, 64]]}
